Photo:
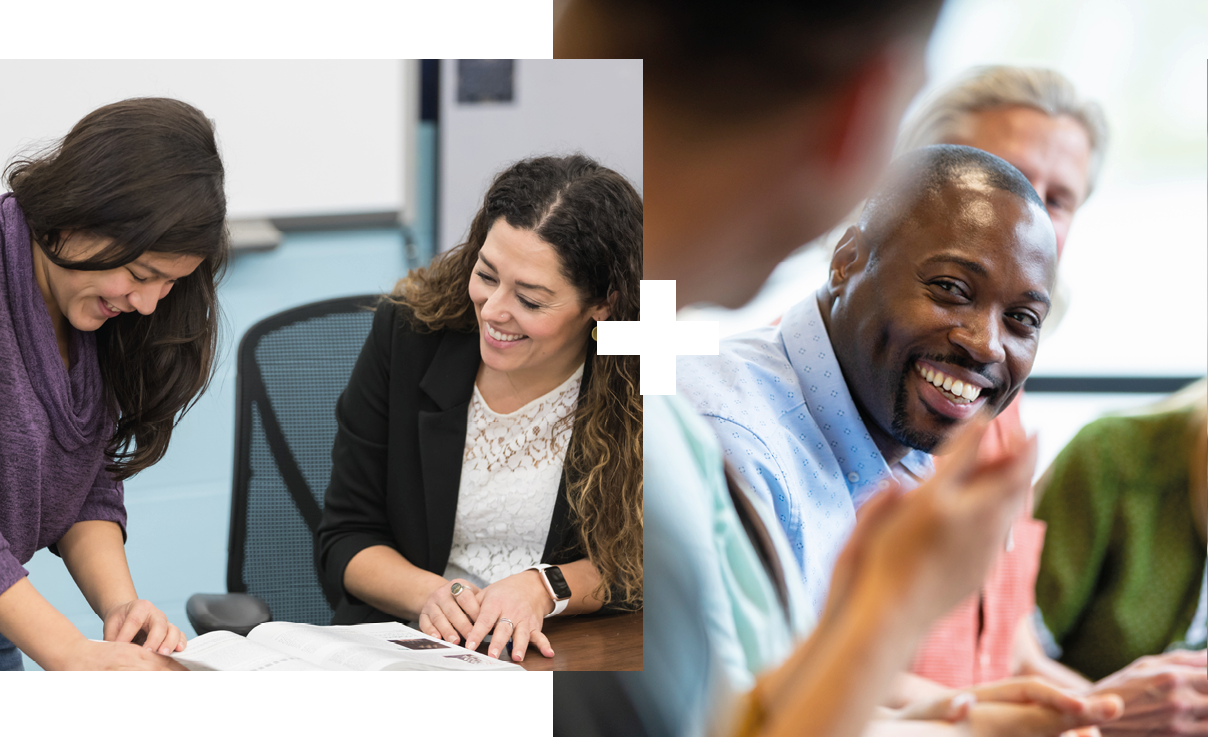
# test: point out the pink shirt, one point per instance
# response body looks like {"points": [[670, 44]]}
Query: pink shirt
{"points": [[957, 652]]}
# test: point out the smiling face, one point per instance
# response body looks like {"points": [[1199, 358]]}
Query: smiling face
{"points": [[956, 296], [86, 299], [533, 324], [1054, 153]]}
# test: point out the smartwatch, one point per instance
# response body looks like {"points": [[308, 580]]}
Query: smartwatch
{"points": [[555, 585]]}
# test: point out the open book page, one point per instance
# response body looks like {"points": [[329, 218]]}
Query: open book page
{"points": [[386, 646], [228, 651]]}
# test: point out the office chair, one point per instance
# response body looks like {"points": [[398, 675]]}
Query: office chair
{"points": [[292, 367]]}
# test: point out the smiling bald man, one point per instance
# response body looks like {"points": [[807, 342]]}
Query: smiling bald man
{"points": [[930, 317]]}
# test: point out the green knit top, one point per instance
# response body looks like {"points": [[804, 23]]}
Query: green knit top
{"points": [[1123, 564]]}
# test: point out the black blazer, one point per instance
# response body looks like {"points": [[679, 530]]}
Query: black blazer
{"points": [[396, 462]]}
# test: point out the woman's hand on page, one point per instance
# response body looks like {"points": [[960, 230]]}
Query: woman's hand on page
{"points": [[91, 655], [141, 622], [522, 600], [447, 616]]}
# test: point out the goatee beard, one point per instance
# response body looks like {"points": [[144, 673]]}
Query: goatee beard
{"points": [[903, 433]]}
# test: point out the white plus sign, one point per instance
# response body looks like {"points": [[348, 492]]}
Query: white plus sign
{"points": [[657, 337]]}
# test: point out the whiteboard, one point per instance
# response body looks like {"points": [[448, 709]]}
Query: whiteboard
{"points": [[298, 138]]}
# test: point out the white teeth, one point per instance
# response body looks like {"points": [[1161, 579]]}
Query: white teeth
{"points": [[108, 306], [961, 390], [502, 336]]}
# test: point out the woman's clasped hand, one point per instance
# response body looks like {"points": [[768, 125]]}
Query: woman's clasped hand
{"points": [[512, 608]]}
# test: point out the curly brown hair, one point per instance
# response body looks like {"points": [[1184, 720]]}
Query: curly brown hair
{"points": [[592, 217]]}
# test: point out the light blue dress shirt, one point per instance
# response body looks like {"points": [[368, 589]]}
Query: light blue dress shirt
{"points": [[713, 618], [777, 400]]}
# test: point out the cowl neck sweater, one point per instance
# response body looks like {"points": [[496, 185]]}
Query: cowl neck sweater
{"points": [[71, 398], [54, 425]]}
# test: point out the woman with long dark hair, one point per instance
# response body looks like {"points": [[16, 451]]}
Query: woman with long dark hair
{"points": [[488, 464], [111, 243]]}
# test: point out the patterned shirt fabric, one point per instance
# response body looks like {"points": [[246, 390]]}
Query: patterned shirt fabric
{"points": [[714, 620], [973, 643], [1123, 566], [509, 483], [778, 403]]}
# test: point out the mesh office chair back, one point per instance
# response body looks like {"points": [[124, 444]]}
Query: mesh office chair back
{"points": [[292, 368]]}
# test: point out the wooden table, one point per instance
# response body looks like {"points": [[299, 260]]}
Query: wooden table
{"points": [[589, 642]]}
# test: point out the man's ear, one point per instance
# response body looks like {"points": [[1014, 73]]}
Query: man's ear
{"points": [[603, 311], [850, 256]]}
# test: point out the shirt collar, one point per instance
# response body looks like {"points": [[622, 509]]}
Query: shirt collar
{"points": [[825, 393]]}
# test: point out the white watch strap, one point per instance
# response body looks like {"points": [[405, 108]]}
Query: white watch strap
{"points": [[559, 606]]}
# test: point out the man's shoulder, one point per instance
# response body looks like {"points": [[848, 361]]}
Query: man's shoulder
{"points": [[751, 372]]}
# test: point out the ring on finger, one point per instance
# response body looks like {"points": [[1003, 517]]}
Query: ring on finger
{"points": [[456, 589], [510, 624]]}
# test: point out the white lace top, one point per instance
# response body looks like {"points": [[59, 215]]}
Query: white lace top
{"points": [[509, 482]]}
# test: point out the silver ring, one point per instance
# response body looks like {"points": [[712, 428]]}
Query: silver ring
{"points": [[510, 623], [457, 588]]}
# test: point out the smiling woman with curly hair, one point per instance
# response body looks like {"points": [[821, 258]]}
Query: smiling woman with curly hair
{"points": [[488, 465]]}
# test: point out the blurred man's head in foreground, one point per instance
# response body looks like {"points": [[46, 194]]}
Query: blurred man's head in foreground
{"points": [[764, 123]]}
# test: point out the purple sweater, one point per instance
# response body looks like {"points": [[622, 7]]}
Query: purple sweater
{"points": [[53, 425]]}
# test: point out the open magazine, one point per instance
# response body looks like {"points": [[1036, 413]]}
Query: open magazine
{"points": [[290, 646]]}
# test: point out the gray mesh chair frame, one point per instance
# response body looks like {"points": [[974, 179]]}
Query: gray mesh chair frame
{"points": [[292, 367]]}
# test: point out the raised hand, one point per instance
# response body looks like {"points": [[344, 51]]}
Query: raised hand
{"points": [[932, 546]]}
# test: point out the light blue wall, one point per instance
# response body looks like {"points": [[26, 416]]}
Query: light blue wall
{"points": [[423, 225], [179, 509]]}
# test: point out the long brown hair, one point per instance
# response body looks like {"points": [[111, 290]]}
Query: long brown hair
{"points": [[592, 217], [145, 173]]}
